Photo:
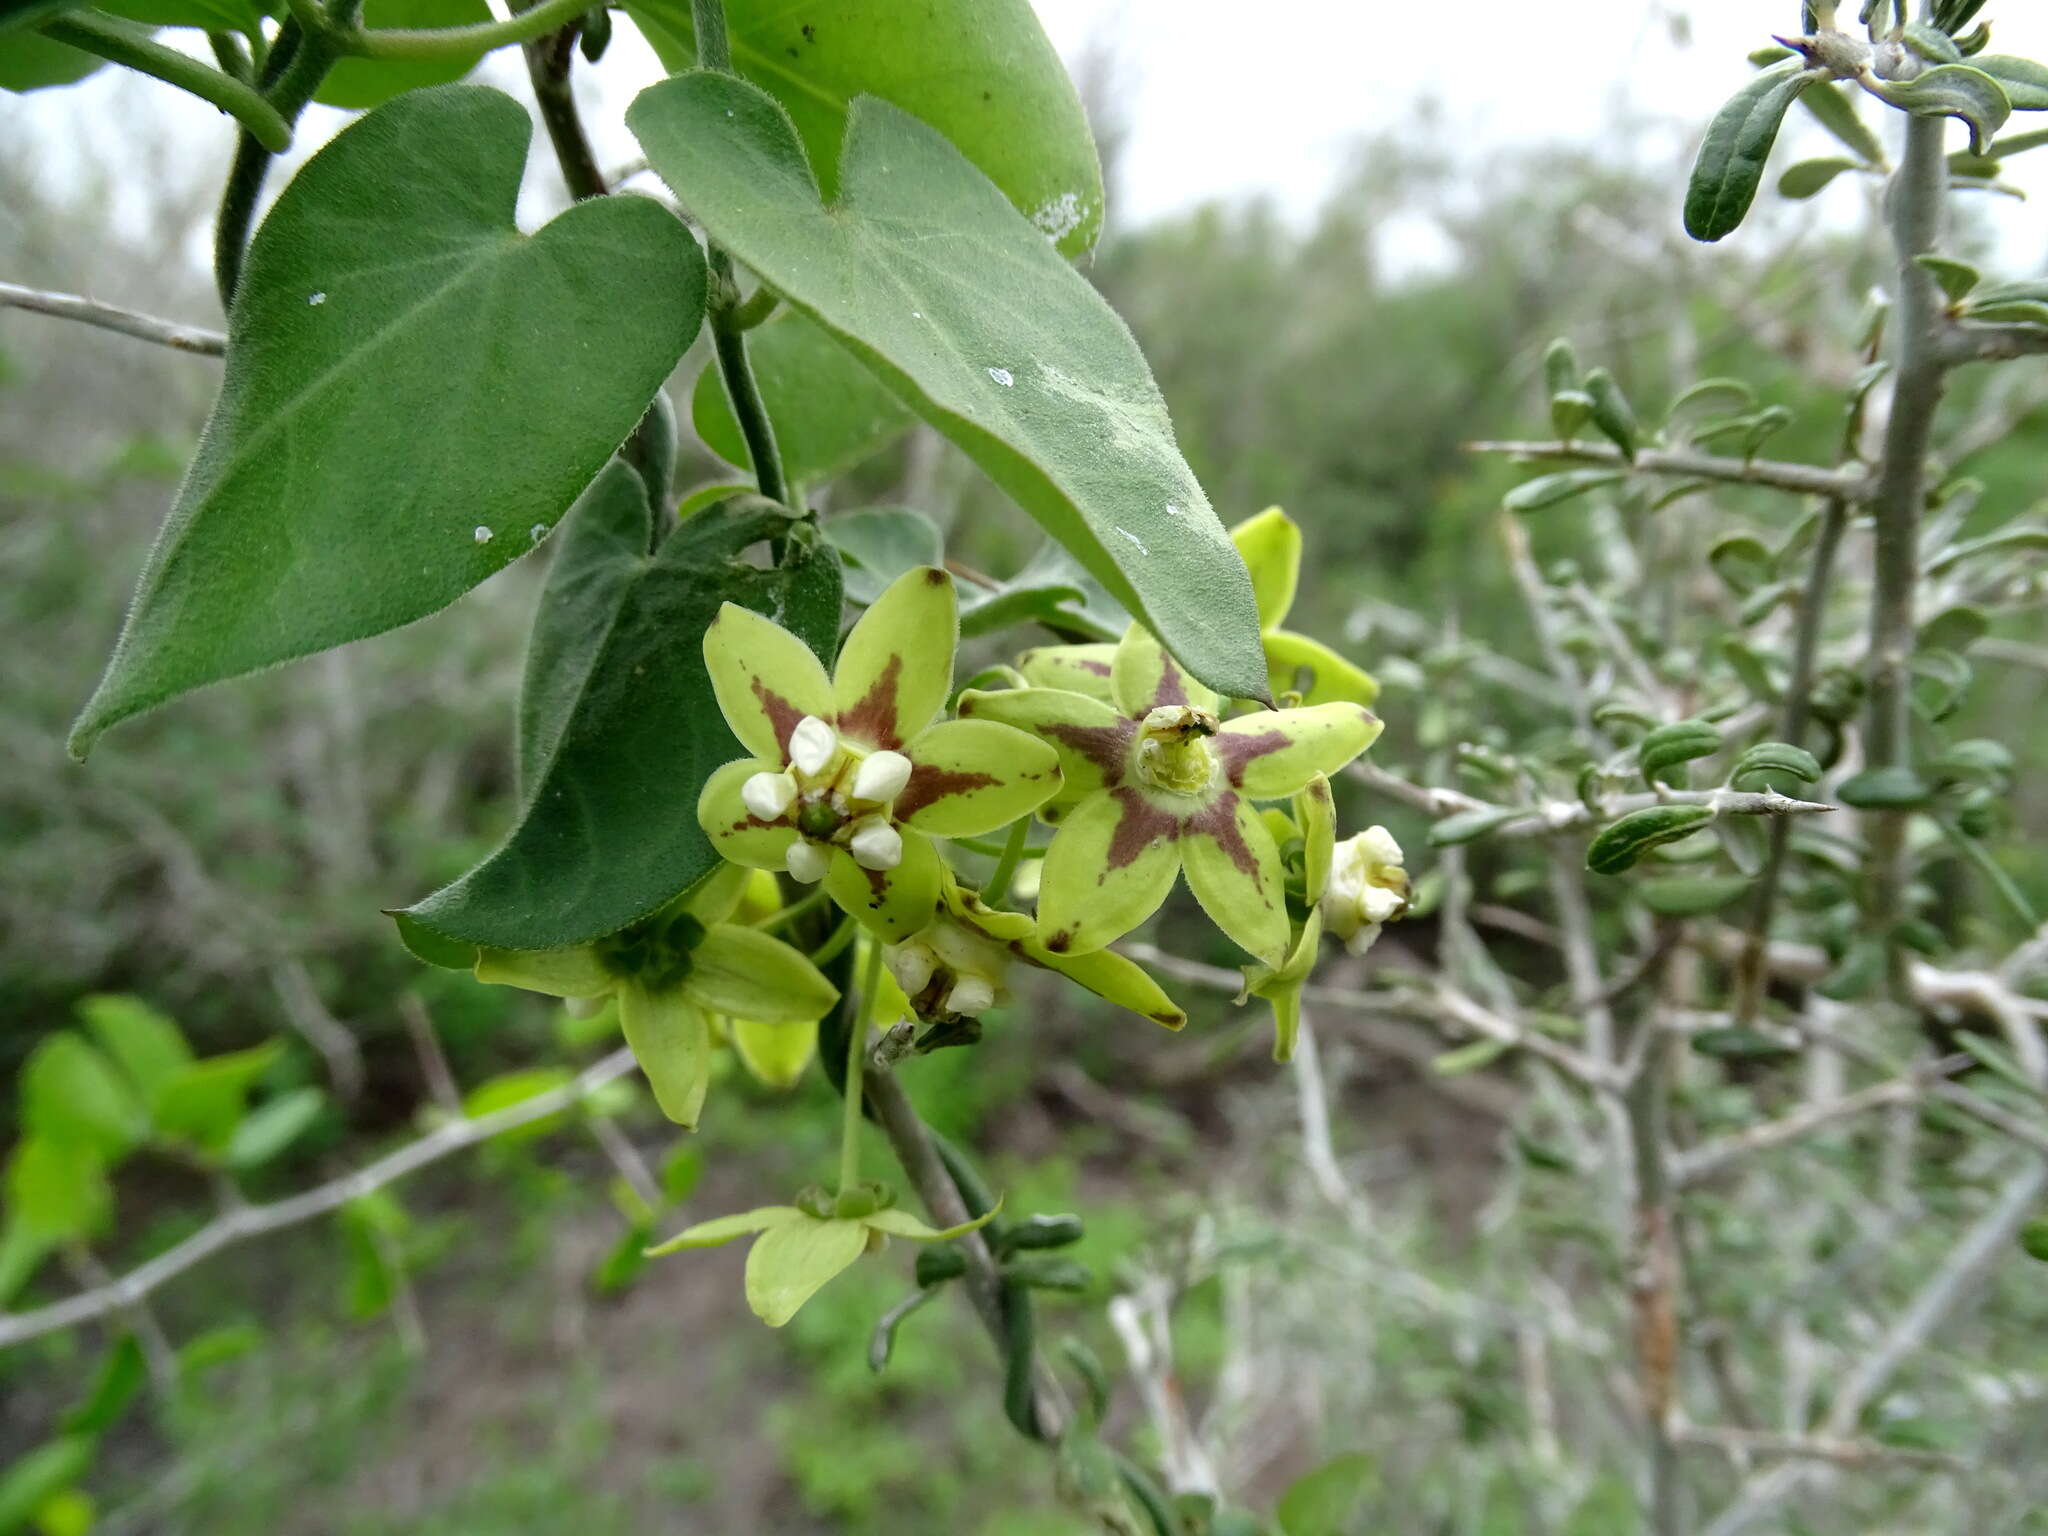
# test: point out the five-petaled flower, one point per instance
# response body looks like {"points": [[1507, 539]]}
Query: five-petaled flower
{"points": [[669, 974], [850, 778], [958, 965], [803, 1246], [1158, 783]]}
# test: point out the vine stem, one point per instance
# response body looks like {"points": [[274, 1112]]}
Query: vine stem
{"points": [[856, 1052], [1915, 206], [264, 123], [728, 319], [446, 42]]}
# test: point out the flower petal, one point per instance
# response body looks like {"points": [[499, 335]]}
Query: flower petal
{"points": [[1116, 978], [896, 666], [972, 776], [716, 897], [1234, 871], [1315, 810], [775, 1054], [671, 1039], [1108, 869], [1092, 739], [900, 1223], [556, 972], [1077, 668], [792, 1261], [1143, 677], [766, 680], [723, 1229], [1270, 545], [751, 975], [892, 903], [737, 833], [1331, 679], [1277, 751]]}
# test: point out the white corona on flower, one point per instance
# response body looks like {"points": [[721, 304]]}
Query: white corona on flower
{"points": [[768, 795], [948, 968], [1368, 887], [875, 844], [812, 746], [808, 862], [881, 777]]}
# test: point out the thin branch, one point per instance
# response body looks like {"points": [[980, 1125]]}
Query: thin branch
{"points": [[246, 1221], [1562, 815], [1991, 343], [549, 60], [922, 1165], [1841, 1453], [1967, 1265], [1684, 464], [1711, 1157], [426, 1045], [455, 42], [111, 317], [1915, 204]]}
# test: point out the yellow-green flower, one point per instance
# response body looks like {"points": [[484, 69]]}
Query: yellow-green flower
{"points": [[804, 1246], [1158, 784], [670, 973], [1368, 887], [850, 777], [1270, 545], [957, 966]]}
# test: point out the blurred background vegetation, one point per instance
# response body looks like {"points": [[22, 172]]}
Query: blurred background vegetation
{"points": [[226, 861]]}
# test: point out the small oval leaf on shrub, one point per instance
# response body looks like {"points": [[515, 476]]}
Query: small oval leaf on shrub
{"points": [[1612, 413], [1560, 367], [2034, 1239], [1621, 845], [1884, 789], [1809, 178], [2024, 82], [1742, 561], [1670, 745], [1738, 142], [1552, 490], [1776, 757], [1957, 90], [271, 1128], [1956, 278], [1691, 895], [1834, 106]]}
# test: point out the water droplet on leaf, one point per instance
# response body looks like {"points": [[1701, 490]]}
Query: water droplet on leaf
{"points": [[482, 535], [1002, 376]]}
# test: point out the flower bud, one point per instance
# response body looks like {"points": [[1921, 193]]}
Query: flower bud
{"points": [[875, 844], [1368, 886], [807, 862], [881, 776], [767, 795], [912, 965], [812, 745]]}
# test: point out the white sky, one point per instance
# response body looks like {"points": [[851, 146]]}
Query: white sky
{"points": [[1217, 107]]}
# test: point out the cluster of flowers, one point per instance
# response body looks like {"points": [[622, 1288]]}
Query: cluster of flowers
{"points": [[853, 776]]}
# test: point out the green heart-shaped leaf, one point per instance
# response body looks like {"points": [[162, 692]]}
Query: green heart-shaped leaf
{"points": [[981, 72], [609, 831], [415, 392], [961, 306]]}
